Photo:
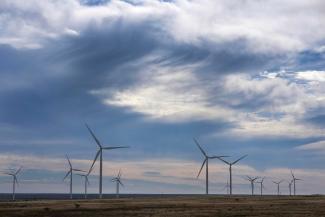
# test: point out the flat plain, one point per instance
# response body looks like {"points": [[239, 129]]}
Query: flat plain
{"points": [[173, 206]]}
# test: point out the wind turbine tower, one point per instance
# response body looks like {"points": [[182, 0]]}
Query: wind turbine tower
{"points": [[14, 181], [227, 187], [278, 185], [252, 180], [70, 172], [118, 181], [261, 185], [86, 182], [206, 163], [100, 154], [294, 179], [290, 186], [230, 169]]}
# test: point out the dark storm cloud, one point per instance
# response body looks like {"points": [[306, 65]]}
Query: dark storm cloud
{"points": [[218, 60], [60, 75]]}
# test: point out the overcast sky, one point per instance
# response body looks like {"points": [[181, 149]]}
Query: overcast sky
{"points": [[243, 77]]}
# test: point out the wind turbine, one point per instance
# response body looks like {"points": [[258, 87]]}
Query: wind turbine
{"points": [[14, 181], [206, 162], [294, 179], [230, 169], [70, 172], [100, 154], [85, 176], [289, 186], [278, 184], [261, 185], [227, 186], [252, 180], [118, 181]]}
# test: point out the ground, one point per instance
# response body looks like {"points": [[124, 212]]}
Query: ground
{"points": [[177, 206]]}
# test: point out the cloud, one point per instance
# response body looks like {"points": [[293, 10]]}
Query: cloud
{"points": [[311, 75], [189, 22], [256, 106], [139, 56], [317, 147], [167, 96]]}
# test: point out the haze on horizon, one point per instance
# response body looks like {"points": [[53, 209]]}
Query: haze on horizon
{"points": [[243, 77]]}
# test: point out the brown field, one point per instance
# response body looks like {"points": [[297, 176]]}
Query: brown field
{"points": [[302, 206]]}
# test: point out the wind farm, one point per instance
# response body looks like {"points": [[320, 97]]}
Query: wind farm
{"points": [[162, 108]]}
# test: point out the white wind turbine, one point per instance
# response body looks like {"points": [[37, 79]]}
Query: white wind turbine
{"points": [[294, 179], [278, 185], [70, 172], [206, 163], [86, 182], [14, 181], [252, 180], [261, 185], [290, 186], [118, 181], [100, 154], [226, 187], [230, 169]]}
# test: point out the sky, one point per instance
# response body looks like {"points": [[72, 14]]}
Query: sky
{"points": [[242, 77]]}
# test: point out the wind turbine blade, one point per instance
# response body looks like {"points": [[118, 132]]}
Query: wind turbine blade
{"points": [[293, 176], [240, 159], [119, 174], [226, 162], [115, 147], [68, 160], [93, 135], [78, 170], [92, 165], [255, 178], [299, 179], [67, 175], [121, 183], [201, 149], [201, 168], [18, 170], [10, 174], [214, 156]]}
